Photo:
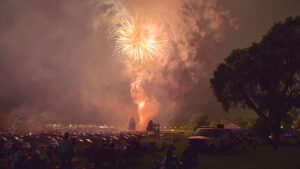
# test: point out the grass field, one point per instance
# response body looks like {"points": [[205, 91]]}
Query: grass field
{"points": [[264, 157]]}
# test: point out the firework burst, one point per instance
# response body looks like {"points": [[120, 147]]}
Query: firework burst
{"points": [[140, 40]]}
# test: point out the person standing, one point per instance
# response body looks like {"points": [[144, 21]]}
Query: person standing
{"points": [[66, 150]]}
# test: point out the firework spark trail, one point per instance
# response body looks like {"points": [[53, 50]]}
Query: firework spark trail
{"points": [[135, 85], [141, 40], [138, 94]]}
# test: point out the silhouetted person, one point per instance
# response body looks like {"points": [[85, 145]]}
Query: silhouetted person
{"points": [[21, 161], [157, 165], [36, 162], [51, 160], [66, 150], [3, 164], [113, 156], [171, 161], [189, 158]]}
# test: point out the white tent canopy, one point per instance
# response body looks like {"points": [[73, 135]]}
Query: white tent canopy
{"points": [[232, 126]]}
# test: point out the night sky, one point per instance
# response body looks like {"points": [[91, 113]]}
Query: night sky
{"points": [[58, 61]]}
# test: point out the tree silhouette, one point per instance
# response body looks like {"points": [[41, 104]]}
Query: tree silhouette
{"points": [[131, 125], [150, 126], [265, 76], [198, 120]]}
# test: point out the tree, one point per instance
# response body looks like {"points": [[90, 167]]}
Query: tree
{"points": [[287, 123], [244, 122], [150, 126], [265, 76], [295, 114], [240, 121], [224, 121], [296, 123], [260, 129], [198, 120], [131, 125]]}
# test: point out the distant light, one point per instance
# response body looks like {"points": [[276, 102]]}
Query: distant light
{"points": [[281, 126], [104, 126], [287, 135]]}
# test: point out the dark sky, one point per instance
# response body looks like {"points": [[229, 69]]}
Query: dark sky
{"points": [[255, 18], [57, 61]]}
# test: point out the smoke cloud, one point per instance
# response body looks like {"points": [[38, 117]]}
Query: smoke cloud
{"points": [[59, 64], [58, 61]]}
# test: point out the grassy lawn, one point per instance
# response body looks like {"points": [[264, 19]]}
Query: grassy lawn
{"points": [[264, 157]]}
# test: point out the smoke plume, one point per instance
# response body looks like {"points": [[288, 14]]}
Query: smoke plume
{"points": [[58, 61]]}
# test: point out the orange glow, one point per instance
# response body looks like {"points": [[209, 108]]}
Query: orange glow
{"points": [[140, 40], [141, 104], [143, 118]]}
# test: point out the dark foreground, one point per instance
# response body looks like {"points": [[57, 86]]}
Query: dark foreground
{"points": [[112, 150]]}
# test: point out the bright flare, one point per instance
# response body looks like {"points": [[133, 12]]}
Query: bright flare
{"points": [[141, 104], [140, 40]]}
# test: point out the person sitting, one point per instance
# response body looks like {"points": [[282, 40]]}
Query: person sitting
{"points": [[189, 158]]}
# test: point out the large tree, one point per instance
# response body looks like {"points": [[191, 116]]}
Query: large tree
{"points": [[265, 76], [198, 120]]}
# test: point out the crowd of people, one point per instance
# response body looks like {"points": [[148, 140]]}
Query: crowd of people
{"points": [[170, 161], [90, 151]]}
